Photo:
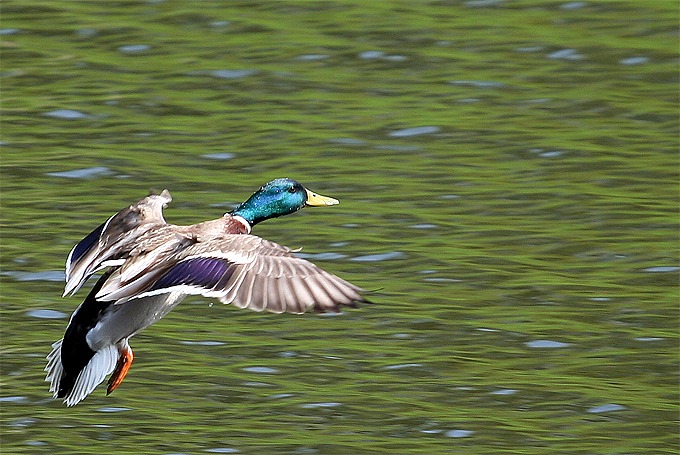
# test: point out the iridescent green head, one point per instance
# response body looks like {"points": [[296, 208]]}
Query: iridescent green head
{"points": [[277, 198]]}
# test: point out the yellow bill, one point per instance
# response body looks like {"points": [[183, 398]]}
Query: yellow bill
{"points": [[316, 200]]}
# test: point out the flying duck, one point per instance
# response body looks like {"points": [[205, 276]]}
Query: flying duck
{"points": [[150, 266]]}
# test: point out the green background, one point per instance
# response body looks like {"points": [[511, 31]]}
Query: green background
{"points": [[522, 243]]}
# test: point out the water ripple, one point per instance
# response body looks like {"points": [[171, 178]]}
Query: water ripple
{"points": [[202, 343], [86, 32], [329, 256], [329, 404], [609, 407], [368, 55], [403, 365], [550, 344], [265, 370], [423, 226], [504, 392], [232, 74], [134, 48], [346, 141], [22, 422], [482, 3], [280, 396], [380, 257], [218, 156], [415, 131], [85, 173], [398, 148], [68, 114], [45, 275], [661, 269], [458, 433], [630, 61], [312, 57], [573, 5], [565, 54], [15, 399], [46, 314], [442, 280], [478, 84]]}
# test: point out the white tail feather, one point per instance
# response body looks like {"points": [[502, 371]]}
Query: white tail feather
{"points": [[54, 368], [100, 365]]}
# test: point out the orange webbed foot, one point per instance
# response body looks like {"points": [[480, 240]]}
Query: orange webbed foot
{"points": [[122, 367]]}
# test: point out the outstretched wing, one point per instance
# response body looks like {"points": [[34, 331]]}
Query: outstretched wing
{"points": [[113, 239], [244, 270]]}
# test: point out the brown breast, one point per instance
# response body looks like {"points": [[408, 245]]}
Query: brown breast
{"points": [[234, 226]]}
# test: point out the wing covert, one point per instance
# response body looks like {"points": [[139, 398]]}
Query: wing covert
{"points": [[244, 270], [113, 239]]}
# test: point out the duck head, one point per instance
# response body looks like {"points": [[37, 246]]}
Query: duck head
{"points": [[277, 198]]}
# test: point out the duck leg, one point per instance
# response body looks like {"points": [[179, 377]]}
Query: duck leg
{"points": [[122, 367]]}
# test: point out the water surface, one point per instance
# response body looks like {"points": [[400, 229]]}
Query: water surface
{"points": [[508, 181]]}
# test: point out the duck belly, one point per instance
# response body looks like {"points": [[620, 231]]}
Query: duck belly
{"points": [[121, 321]]}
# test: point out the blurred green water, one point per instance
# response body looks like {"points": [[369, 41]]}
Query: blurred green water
{"points": [[530, 302]]}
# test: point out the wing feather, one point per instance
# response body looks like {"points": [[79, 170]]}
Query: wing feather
{"points": [[113, 239], [244, 294], [244, 270]]}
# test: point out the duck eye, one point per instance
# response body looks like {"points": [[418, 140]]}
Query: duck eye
{"points": [[292, 189]]}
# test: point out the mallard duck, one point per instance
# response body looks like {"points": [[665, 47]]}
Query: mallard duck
{"points": [[152, 265]]}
